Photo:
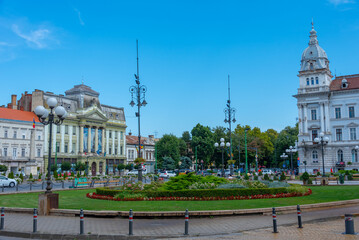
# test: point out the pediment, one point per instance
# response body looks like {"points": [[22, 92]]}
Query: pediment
{"points": [[94, 113], [352, 124]]}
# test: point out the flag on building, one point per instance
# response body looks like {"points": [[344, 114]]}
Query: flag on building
{"points": [[33, 122]]}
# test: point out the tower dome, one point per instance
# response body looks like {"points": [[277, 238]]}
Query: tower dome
{"points": [[314, 57]]}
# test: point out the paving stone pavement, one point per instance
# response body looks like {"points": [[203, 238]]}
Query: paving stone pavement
{"points": [[322, 230], [209, 227]]}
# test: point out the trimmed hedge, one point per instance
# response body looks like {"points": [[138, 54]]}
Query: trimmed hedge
{"points": [[200, 192]]}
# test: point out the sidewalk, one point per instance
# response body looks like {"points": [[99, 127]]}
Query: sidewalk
{"points": [[154, 228]]}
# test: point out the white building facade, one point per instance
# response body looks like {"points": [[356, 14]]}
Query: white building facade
{"points": [[326, 107], [21, 145], [147, 150]]}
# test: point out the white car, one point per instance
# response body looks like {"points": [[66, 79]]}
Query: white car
{"points": [[266, 171], [135, 172], [7, 182], [171, 174]]}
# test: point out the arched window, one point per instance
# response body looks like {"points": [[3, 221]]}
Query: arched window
{"points": [[315, 155], [307, 81], [340, 155], [312, 80], [316, 80], [311, 66], [354, 155]]}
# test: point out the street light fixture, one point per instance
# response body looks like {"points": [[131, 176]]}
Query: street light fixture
{"points": [[138, 97], [222, 145], [229, 113], [291, 150], [44, 114], [322, 140], [284, 156]]}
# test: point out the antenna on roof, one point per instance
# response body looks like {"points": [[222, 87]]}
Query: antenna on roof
{"points": [[82, 79], [312, 23]]}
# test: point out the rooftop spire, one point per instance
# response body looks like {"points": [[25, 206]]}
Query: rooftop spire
{"points": [[313, 36]]}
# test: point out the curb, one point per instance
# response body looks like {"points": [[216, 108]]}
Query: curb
{"points": [[180, 214]]}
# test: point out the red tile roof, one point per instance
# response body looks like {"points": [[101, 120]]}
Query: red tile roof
{"points": [[131, 139], [352, 80], [12, 114]]}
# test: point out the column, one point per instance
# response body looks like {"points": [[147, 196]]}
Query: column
{"points": [[70, 138], [113, 142], [327, 117], [77, 147], [300, 119], [118, 142], [124, 144], [107, 141], [321, 106], [62, 138], [96, 139], [81, 142], [103, 140], [305, 110], [89, 139]]}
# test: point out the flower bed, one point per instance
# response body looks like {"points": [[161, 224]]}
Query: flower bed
{"points": [[203, 198]]}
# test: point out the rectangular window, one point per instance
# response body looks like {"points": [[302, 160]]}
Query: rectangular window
{"points": [[14, 153], [57, 147], [338, 113], [5, 152], [307, 82], [22, 152], [115, 134], [38, 152], [314, 134], [74, 130], [121, 135], [314, 114], [110, 151], [23, 135], [5, 134], [121, 150], [316, 80], [66, 147], [312, 81], [339, 134], [57, 129], [115, 151], [66, 129], [353, 134], [110, 134], [15, 134], [351, 112], [39, 137], [74, 147]]}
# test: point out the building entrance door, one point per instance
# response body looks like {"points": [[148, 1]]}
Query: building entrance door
{"points": [[93, 169], [100, 167]]}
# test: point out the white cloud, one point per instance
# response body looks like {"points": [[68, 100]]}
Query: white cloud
{"points": [[79, 16], [35, 38], [340, 2]]}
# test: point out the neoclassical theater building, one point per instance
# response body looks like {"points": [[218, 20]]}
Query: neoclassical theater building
{"points": [[329, 106], [92, 133]]}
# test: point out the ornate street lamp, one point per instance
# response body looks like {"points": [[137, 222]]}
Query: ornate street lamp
{"points": [[245, 145], [322, 140], [44, 114], [291, 150], [229, 113], [222, 145], [284, 156], [138, 98]]}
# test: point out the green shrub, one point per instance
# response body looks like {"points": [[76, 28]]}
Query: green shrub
{"points": [[275, 178], [30, 177], [199, 185], [11, 175], [275, 184], [153, 186], [230, 186], [78, 175], [125, 194], [55, 174], [3, 168], [305, 176], [310, 182], [260, 173], [350, 177], [297, 188], [266, 177], [21, 177], [282, 177], [318, 173], [246, 177], [255, 177]]}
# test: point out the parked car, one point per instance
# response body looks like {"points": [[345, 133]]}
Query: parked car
{"points": [[171, 174], [135, 172], [204, 173], [227, 172], [7, 182], [266, 171], [163, 174], [184, 171]]}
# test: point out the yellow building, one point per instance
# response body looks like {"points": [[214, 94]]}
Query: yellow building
{"points": [[92, 133]]}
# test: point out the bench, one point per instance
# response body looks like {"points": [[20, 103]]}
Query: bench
{"points": [[330, 179]]}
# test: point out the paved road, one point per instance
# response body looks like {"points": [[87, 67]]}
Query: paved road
{"points": [[164, 227], [25, 187]]}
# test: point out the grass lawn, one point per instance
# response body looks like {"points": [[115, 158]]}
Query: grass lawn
{"points": [[76, 199]]}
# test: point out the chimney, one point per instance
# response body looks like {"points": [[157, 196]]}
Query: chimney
{"points": [[13, 101], [130, 133]]}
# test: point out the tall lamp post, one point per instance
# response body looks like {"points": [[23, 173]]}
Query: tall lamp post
{"points": [[48, 118], [284, 156], [322, 140], [245, 143], [138, 98], [291, 151], [222, 145], [229, 113]]}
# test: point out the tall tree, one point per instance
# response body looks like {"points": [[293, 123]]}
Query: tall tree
{"points": [[202, 138], [170, 146]]}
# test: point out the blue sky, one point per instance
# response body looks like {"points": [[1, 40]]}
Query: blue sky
{"points": [[187, 49]]}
